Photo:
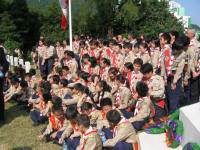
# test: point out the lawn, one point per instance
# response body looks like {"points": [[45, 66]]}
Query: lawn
{"points": [[18, 132]]}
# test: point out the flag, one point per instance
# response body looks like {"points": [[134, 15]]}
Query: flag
{"points": [[64, 6]]}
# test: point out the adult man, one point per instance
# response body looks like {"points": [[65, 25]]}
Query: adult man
{"points": [[3, 68]]}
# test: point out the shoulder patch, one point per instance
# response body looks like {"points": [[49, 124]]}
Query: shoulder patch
{"points": [[145, 103], [94, 116], [91, 136], [122, 125]]}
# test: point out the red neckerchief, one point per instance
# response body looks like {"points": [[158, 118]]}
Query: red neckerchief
{"points": [[123, 121], [85, 135], [118, 96], [137, 108], [57, 124]]}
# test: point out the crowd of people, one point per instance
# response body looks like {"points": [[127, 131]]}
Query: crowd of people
{"points": [[101, 93]]}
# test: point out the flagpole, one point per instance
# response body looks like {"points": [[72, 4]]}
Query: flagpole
{"points": [[70, 25]]}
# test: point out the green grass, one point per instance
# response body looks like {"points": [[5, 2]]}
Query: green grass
{"points": [[19, 134]]}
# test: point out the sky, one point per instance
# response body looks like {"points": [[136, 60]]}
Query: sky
{"points": [[192, 8]]}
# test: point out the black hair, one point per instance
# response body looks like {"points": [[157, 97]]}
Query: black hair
{"points": [[85, 76], [50, 42], [47, 85], [174, 33], [106, 61], [44, 77], [121, 78], [82, 43], [32, 72], [128, 45], [119, 45], [142, 89], [57, 108], [106, 102], [156, 42], [146, 68], [56, 79], [148, 39], [83, 120], [94, 76], [14, 80], [186, 40], [86, 56], [105, 86], [144, 45], [113, 70], [132, 34], [93, 62], [27, 74], [23, 84], [129, 65], [59, 71], [46, 94], [167, 37], [113, 116], [178, 45], [79, 87], [57, 101], [71, 113], [64, 82], [69, 53], [138, 61], [104, 42], [137, 45], [86, 106], [66, 68]]}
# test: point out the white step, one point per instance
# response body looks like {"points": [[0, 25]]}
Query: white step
{"points": [[154, 142]]}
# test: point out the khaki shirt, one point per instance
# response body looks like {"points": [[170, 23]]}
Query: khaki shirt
{"points": [[124, 133], [154, 59], [118, 61], [194, 61], [60, 52], [41, 51], [145, 107], [69, 130], [145, 58], [72, 101]]}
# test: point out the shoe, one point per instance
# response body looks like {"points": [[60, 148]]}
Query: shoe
{"points": [[47, 139]]}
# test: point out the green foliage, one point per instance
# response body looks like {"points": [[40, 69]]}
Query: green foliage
{"points": [[11, 45], [40, 4], [195, 26]]}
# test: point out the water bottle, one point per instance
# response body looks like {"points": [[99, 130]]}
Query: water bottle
{"points": [[103, 137], [1, 74], [64, 145]]}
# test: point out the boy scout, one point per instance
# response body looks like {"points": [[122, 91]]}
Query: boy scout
{"points": [[173, 70], [59, 50], [156, 90], [129, 56], [55, 126], [143, 108], [124, 135], [41, 54], [118, 58], [123, 98], [90, 139], [105, 65], [144, 53], [112, 80], [71, 63]]}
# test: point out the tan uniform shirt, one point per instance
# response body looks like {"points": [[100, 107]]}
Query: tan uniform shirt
{"points": [[144, 106], [123, 132]]}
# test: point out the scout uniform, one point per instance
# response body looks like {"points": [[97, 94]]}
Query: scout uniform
{"points": [[113, 85], [173, 70], [145, 58], [123, 98], [41, 55], [13, 91], [157, 90], [154, 54], [133, 77], [54, 125], [55, 89], [75, 47], [195, 82], [83, 100], [90, 140], [39, 115], [124, 136], [73, 67], [49, 58], [92, 71], [83, 51], [143, 111], [94, 115], [118, 61], [60, 52], [63, 91], [130, 57], [98, 97], [104, 73], [94, 53], [74, 100], [106, 52], [194, 43]]}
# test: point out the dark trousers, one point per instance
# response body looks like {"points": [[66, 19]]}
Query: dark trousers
{"points": [[173, 96], [72, 144], [36, 117], [195, 89], [139, 124], [43, 68], [187, 93], [1, 100], [120, 145], [50, 63], [127, 114]]}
